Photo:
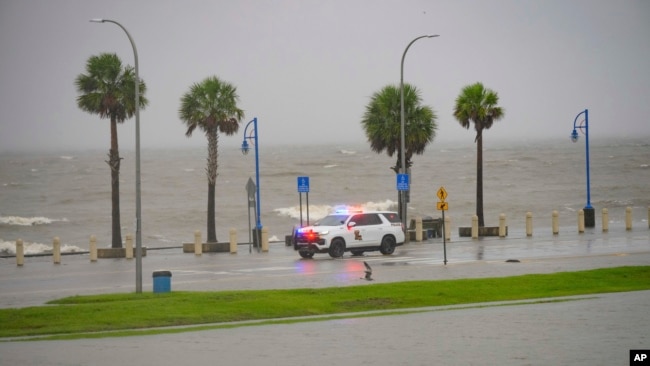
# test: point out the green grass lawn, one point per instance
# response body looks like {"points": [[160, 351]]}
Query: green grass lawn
{"points": [[76, 317]]}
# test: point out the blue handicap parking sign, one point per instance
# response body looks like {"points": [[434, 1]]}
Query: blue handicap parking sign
{"points": [[402, 182], [303, 184]]}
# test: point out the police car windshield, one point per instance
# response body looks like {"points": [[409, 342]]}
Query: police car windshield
{"points": [[332, 220]]}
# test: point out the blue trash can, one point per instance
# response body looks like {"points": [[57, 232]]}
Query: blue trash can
{"points": [[162, 281]]}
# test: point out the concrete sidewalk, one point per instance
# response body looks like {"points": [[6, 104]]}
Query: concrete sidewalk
{"points": [[39, 280]]}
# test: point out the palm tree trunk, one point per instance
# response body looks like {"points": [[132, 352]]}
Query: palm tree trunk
{"points": [[211, 171], [114, 163], [212, 233], [479, 178]]}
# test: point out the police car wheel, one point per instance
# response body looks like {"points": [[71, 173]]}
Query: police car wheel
{"points": [[337, 248], [387, 245]]}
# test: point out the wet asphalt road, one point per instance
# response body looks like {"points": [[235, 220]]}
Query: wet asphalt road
{"points": [[588, 330]]}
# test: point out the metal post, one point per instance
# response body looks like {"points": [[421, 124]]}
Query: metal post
{"points": [[138, 213], [258, 223], [446, 229], [403, 194], [258, 242], [444, 237], [587, 154], [244, 149], [300, 199]]}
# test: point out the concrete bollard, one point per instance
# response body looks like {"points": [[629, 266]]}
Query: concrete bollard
{"points": [[581, 221], [628, 218], [502, 226], [56, 250], [20, 253], [474, 227], [128, 251], [529, 224], [556, 222], [198, 245], [265, 240], [93, 248], [233, 241], [418, 229], [605, 220], [447, 228]]}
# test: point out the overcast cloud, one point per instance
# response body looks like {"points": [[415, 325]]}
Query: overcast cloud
{"points": [[307, 69]]}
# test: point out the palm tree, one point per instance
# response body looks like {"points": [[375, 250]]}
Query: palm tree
{"points": [[211, 106], [478, 105], [382, 124], [108, 89]]}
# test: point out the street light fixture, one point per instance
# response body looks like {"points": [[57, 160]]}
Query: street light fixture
{"points": [[244, 149], [590, 220], [402, 138], [138, 211]]}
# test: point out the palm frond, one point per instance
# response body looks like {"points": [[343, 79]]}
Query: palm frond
{"points": [[478, 105], [382, 121], [108, 88], [211, 104]]}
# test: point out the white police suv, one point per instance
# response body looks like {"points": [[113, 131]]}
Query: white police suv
{"points": [[352, 231]]}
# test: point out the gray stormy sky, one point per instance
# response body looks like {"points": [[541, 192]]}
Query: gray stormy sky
{"points": [[307, 69]]}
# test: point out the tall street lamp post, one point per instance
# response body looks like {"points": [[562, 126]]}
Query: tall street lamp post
{"points": [[590, 219], [403, 169], [244, 149], [138, 211]]}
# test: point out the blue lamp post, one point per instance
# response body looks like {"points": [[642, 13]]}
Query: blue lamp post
{"points": [[244, 149], [590, 219]]}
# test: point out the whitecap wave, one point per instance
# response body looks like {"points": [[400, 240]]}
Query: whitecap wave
{"points": [[66, 157], [27, 221], [320, 211], [67, 248], [330, 166], [347, 152], [9, 248], [315, 211]]}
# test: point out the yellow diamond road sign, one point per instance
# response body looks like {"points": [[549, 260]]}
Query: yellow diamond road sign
{"points": [[442, 206], [442, 194]]}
